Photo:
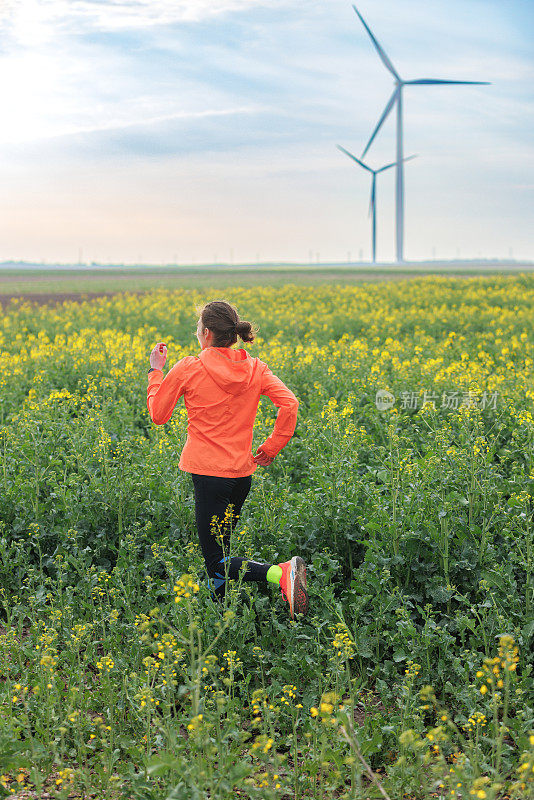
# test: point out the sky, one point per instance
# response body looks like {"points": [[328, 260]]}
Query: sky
{"points": [[199, 131]]}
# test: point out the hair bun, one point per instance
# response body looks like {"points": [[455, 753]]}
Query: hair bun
{"points": [[244, 330]]}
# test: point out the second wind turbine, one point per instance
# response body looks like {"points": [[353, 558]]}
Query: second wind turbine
{"points": [[396, 98], [372, 203]]}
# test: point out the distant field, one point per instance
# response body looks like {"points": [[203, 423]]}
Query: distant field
{"points": [[45, 285]]}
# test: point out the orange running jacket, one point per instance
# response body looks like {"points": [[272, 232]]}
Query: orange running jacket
{"points": [[221, 389]]}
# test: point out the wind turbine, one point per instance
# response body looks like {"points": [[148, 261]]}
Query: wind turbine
{"points": [[372, 203], [396, 97]]}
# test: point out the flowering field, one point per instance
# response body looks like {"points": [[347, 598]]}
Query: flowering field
{"points": [[411, 676]]}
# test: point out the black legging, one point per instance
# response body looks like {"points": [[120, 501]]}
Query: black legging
{"points": [[213, 495]]}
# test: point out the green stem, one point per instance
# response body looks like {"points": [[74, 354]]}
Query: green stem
{"points": [[504, 721]]}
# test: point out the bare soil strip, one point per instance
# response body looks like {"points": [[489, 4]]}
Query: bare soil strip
{"points": [[143, 282], [52, 298]]}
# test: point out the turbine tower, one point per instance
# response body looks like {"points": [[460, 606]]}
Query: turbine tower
{"points": [[372, 203], [396, 97]]}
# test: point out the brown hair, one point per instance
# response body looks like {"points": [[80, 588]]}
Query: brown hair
{"points": [[223, 321]]}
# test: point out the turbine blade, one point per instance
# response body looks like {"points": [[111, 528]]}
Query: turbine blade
{"points": [[433, 82], [354, 158], [388, 166], [393, 164], [382, 119], [385, 60]]}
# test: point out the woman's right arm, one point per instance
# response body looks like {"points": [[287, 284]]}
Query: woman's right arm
{"points": [[164, 392], [286, 420]]}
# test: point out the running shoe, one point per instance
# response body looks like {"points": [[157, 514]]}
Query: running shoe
{"points": [[293, 585]]}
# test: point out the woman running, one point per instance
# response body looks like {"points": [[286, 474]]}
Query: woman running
{"points": [[222, 388]]}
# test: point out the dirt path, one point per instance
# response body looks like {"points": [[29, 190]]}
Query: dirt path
{"points": [[52, 298], [229, 278]]}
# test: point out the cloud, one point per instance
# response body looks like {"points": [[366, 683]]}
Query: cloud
{"points": [[123, 125], [32, 22], [121, 14]]}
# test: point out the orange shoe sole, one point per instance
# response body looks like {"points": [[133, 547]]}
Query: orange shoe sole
{"points": [[298, 601]]}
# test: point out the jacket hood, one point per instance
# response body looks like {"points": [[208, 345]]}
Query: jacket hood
{"points": [[230, 369]]}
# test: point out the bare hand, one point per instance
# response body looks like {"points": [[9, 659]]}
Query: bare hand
{"points": [[262, 458], [158, 356]]}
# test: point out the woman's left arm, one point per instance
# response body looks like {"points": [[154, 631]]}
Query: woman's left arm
{"points": [[286, 419]]}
